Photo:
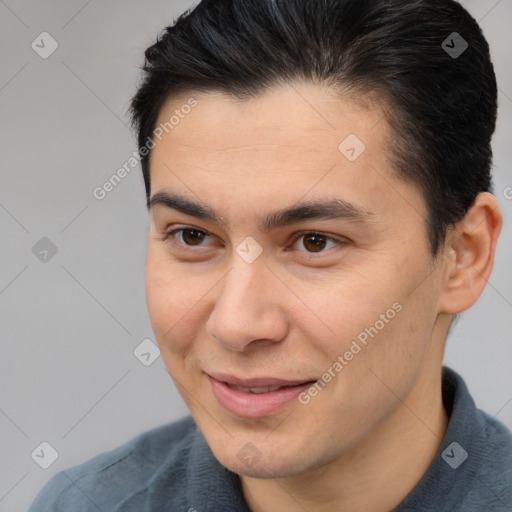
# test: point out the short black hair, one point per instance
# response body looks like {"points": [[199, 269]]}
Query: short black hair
{"points": [[441, 107]]}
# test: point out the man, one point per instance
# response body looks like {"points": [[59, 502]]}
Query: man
{"points": [[318, 182]]}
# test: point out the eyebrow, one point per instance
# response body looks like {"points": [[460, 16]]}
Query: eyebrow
{"points": [[327, 209]]}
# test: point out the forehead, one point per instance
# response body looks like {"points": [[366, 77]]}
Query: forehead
{"points": [[299, 141], [296, 113], [297, 128]]}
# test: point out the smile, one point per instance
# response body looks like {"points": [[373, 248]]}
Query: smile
{"points": [[255, 398]]}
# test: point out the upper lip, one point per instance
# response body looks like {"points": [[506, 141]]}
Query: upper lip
{"points": [[256, 382]]}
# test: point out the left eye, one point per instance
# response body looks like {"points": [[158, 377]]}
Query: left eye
{"points": [[315, 242]]}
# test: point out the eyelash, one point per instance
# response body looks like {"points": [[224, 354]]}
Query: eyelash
{"points": [[170, 238]]}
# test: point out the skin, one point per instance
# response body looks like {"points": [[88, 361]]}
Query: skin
{"points": [[366, 439]]}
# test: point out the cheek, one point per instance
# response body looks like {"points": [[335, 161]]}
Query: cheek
{"points": [[172, 298], [353, 304], [369, 318], [395, 356]]}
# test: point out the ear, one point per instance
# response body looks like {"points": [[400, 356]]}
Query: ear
{"points": [[469, 252]]}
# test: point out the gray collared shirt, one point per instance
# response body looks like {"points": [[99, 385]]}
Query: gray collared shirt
{"points": [[171, 468]]}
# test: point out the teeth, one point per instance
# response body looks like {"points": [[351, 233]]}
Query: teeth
{"points": [[265, 389]]}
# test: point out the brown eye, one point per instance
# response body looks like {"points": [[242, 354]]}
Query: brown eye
{"points": [[189, 237], [192, 236], [315, 242]]}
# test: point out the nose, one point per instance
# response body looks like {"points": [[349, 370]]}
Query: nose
{"points": [[248, 309]]}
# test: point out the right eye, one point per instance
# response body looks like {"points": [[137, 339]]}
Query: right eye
{"points": [[190, 236]]}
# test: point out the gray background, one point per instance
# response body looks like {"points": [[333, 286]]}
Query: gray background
{"points": [[69, 326]]}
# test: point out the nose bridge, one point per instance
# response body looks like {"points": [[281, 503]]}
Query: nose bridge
{"points": [[245, 308]]}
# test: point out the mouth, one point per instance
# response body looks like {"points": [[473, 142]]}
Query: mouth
{"points": [[256, 397], [257, 390]]}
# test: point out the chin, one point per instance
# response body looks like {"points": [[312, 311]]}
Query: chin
{"points": [[272, 462], [267, 470]]}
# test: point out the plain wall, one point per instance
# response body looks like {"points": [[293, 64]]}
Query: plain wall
{"points": [[69, 325]]}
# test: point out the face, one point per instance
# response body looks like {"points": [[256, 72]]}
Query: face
{"points": [[335, 310]]}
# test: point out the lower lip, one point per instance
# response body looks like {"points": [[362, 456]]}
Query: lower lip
{"points": [[253, 405]]}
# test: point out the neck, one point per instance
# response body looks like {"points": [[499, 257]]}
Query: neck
{"points": [[376, 475]]}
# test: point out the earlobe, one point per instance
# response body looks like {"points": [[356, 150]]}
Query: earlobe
{"points": [[469, 252]]}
